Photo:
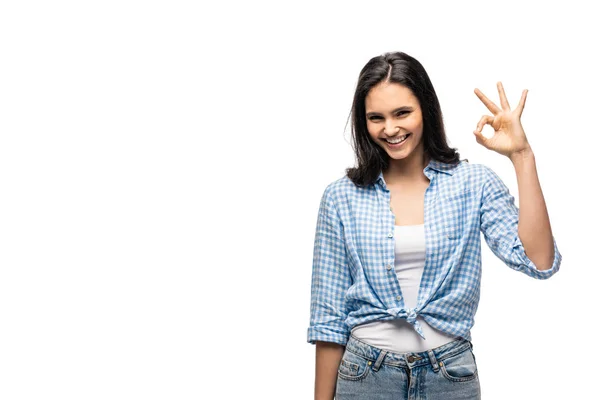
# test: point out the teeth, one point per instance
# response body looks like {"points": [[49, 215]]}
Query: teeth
{"points": [[397, 141]]}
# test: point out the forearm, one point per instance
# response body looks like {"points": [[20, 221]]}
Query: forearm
{"points": [[328, 357], [534, 224]]}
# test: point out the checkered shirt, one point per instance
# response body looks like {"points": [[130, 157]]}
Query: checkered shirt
{"points": [[353, 276]]}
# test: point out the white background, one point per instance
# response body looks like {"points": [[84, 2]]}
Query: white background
{"points": [[161, 166]]}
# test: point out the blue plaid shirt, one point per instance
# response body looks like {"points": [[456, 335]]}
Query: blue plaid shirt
{"points": [[353, 276]]}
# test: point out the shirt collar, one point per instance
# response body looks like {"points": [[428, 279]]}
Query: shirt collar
{"points": [[434, 165]]}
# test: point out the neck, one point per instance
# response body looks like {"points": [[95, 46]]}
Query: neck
{"points": [[404, 170]]}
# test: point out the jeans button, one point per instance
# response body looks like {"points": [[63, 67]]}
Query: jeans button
{"points": [[411, 358]]}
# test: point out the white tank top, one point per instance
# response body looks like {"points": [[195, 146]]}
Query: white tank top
{"points": [[398, 335]]}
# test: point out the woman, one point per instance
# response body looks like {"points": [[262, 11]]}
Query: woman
{"points": [[397, 252]]}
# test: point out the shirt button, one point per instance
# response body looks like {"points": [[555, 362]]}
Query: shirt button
{"points": [[398, 297], [390, 234], [389, 267]]}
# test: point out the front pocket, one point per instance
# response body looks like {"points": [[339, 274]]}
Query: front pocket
{"points": [[348, 368], [353, 367], [453, 209], [460, 367]]}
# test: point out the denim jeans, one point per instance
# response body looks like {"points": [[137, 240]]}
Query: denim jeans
{"points": [[446, 372]]}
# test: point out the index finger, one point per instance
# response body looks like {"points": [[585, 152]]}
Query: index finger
{"points": [[488, 103]]}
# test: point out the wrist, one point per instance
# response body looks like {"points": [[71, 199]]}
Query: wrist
{"points": [[521, 155]]}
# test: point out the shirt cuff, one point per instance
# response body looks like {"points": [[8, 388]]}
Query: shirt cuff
{"points": [[528, 267], [325, 334]]}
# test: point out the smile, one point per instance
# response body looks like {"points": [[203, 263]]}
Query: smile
{"points": [[397, 141]]}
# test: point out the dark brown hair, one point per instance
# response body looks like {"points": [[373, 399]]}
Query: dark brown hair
{"points": [[399, 68]]}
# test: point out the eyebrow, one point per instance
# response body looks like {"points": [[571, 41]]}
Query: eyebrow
{"points": [[403, 108]]}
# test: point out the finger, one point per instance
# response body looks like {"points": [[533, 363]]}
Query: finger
{"points": [[482, 140], [488, 103], [503, 99], [521, 104], [486, 119]]}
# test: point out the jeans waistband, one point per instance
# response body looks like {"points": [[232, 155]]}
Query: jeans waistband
{"points": [[433, 356]]}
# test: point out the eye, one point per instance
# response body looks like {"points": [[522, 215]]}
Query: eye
{"points": [[400, 113], [374, 117]]}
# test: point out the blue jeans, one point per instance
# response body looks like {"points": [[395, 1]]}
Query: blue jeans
{"points": [[447, 372]]}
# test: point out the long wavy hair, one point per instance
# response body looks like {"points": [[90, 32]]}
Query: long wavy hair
{"points": [[395, 67]]}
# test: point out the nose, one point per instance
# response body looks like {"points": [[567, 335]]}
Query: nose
{"points": [[390, 129]]}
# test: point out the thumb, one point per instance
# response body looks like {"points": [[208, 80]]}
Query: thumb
{"points": [[482, 140]]}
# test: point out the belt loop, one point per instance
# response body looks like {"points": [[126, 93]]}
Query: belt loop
{"points": [[433, 361], [380, 358]]}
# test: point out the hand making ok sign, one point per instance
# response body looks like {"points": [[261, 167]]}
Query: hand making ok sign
{"points": [[509, 137]]}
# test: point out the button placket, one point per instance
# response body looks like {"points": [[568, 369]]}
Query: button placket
{"points": [[391, 223]]}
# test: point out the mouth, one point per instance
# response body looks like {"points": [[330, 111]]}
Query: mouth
{"points": [[395, 143]]}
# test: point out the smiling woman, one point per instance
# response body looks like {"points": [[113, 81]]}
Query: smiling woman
{"points": [[397, 250]]}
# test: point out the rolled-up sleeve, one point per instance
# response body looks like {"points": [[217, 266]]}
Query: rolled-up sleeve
{"points": [[331, 277], [499, 225]]}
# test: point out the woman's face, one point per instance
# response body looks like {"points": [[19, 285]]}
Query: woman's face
{"points": [[393, 112]]}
